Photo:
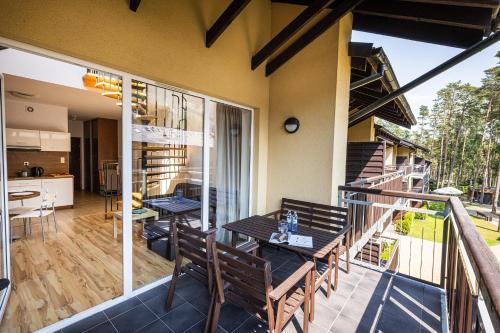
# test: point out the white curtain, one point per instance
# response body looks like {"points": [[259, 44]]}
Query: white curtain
{"points": [[233, 166]]}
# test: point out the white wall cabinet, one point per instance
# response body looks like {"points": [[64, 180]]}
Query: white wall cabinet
{"points": [[55, 141], [22, 138], [62, 187]]}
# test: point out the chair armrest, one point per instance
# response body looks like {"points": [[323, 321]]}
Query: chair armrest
{"points": [[274, 214], [286, 285], [248, 247], [345, 229]]}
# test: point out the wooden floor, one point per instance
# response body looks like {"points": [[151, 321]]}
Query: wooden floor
{"points": [[76, 268]]}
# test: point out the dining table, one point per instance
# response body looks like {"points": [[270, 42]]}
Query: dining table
{"points": [[261, 228]]}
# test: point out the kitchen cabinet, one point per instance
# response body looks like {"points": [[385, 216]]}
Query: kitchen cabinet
{"points": [[61, 187], [55, 141], [19, 138]]}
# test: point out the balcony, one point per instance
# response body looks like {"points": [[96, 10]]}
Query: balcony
{"points": [[366, 300], [460, 294]]}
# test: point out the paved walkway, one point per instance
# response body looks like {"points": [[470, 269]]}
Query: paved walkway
{"points": [[366, 301]]}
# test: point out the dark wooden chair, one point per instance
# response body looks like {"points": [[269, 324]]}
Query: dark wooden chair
{"points": [[196, 246], [323, 217], [246, 280]]}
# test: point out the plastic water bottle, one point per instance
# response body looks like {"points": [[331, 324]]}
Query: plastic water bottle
{"points": [[295, 222], [289, 221]]}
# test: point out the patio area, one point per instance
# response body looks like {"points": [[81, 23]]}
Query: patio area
{"points": [[365, 301]]}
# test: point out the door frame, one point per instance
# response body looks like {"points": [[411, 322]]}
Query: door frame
{"points": [[5, 223], [127, 227]]}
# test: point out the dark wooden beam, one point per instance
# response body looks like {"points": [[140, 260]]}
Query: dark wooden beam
{"points": [[134, 4], [465, 3], [231, 12], [284, 35], [465, 17], [419, 31], [339, 9]]}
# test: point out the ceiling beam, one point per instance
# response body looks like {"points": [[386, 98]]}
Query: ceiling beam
{"points": [[419, 31], [465, 3], [134, 4], [339, 9], [231, 12], [465, 17], [284, 35]]}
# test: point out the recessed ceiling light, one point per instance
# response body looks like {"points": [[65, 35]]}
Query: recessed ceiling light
{"points": [[21, 94]]}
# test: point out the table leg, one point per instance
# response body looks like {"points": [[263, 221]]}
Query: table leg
{"points": [[115, 231], [313, 291], [170, 241]]}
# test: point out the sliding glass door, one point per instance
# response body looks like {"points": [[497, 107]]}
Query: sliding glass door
{"points": [[167, 174]]}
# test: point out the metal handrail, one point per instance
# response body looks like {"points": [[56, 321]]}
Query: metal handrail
{"points": [[483, 263]]}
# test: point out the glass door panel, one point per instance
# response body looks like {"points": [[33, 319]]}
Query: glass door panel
{"points": [[4, 243], [167, 174]]}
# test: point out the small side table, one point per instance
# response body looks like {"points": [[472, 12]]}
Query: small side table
{"points": [[135, 217]]}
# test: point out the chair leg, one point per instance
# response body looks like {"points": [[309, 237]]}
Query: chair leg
{"points": [[173, 282], [43, 233], [278, 326], [29, 224], [55, 221], [215, 316], [307, 294], [336, 281], [208, 323], [329, 275]]}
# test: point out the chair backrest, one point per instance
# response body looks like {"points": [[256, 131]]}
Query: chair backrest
{"points": [[190, 191], [318, 216], [48, 200], [196, 246], [249, 277]]}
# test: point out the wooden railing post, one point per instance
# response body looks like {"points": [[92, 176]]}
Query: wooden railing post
{"points": [[444, 249]]}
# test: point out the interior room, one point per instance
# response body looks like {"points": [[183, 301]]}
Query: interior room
{"points": [[63, 126]]}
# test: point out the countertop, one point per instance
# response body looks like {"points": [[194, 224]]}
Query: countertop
{"points": [[42, 177]]}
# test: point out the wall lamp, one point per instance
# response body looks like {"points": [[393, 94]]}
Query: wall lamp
{"points": [[292, 125]]}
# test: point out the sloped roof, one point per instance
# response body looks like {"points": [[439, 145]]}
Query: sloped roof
{"points": [[384, 134]]}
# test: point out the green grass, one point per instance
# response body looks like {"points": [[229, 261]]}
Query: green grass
{"points": [[427, 226]]}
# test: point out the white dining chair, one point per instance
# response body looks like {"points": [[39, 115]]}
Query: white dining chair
{"points": [[19, 211], [47, 208]]}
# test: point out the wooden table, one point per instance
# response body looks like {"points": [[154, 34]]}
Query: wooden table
{"points": [[23, 195], [135, 217], [261, 228]]}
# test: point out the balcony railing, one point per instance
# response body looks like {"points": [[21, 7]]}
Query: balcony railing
{"points": [[458, 259]]}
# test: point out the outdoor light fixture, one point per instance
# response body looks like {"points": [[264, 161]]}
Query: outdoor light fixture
{"points": [[292, 125]]}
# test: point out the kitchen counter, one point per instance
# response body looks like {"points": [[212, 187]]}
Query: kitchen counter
{"points": [[42, 177]]}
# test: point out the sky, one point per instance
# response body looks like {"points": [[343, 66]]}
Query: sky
{"points": [[411, 59]]}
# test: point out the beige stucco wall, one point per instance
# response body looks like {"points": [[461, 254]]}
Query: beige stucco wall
{"points": [[164, 41], [363, 131], [314, 87]]}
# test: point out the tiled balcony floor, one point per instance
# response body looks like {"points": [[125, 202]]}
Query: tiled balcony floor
{"points": [[366, 301]]}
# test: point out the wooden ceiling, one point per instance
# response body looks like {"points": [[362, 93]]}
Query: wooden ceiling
{"points": [[456, 23]]}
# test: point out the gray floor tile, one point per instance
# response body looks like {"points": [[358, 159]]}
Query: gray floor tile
{"points": [[86, 323], [232, 316], [157, 304], [105, 327], [252, 325], [133, 319], [122, 307], [182, 317], [159, 290], [156, 326]]}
